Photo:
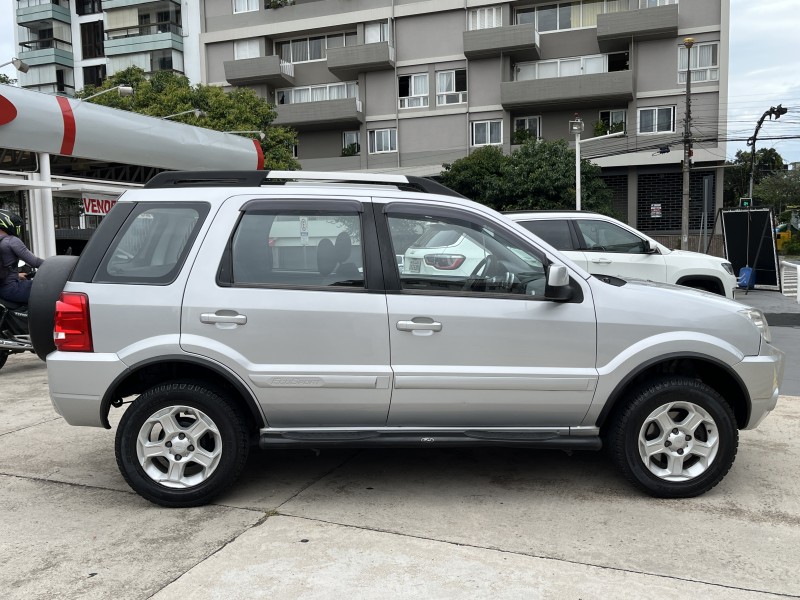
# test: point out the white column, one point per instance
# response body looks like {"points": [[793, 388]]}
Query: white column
{"points": [[577, 171], [43, 232]]}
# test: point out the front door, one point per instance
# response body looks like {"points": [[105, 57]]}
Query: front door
{"points": [[480, 346], [286, 302], [613, 250]]}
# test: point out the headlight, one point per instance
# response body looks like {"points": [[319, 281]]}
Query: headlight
{"points": [[728, 267], [758, 319]]}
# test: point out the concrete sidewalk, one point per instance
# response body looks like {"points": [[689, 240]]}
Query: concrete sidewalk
{"points": [[424, 523]]}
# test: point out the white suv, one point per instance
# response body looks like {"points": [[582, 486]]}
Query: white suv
{"points": [[605, 246], [233, 309]]}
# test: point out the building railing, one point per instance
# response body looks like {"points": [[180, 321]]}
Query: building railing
{"points": [[287, 68], [44, 44], [29, 3], [139, 30], [791, 288], [52, 88]]}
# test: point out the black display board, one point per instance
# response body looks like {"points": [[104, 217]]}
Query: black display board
{"points": [[750, 242]]}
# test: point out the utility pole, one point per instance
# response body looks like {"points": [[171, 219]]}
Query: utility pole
{"points": [[687, 146], [576, 128], [772, 112]]}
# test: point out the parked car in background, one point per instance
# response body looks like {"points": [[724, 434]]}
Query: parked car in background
{"points": [[605, 246]]}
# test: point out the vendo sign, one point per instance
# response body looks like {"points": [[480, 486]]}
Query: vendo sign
{"points": [[97, 204]]}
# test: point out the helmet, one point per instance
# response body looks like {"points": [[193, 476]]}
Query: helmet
{"points": [[10, 222]]}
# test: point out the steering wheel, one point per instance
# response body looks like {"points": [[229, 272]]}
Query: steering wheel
{"points": [[485, 266]]}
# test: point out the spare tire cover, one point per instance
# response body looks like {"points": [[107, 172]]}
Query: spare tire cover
{"points": [[48, 284]]}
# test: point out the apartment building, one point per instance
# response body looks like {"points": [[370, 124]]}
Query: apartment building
{"points": [[406, 85], [69, 44]]}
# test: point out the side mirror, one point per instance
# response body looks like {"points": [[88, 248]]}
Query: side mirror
{"points": [[650, 247], [558, 287]]}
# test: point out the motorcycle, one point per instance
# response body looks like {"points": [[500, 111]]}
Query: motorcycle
{"points": [[14, 336]]}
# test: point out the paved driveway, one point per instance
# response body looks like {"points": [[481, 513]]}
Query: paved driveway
{"points": [[387, 523]]}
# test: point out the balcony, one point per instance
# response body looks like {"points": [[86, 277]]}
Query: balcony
{"points": [[325, 114], [144, 38], [568, 92], [264, 69], [33, 12], [519, 41], [348, 61], [615, 30], [45, 51]]}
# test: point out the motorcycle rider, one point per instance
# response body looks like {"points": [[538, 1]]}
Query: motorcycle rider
{"points": [[14, 286]]}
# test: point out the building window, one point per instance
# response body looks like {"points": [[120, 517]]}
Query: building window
{"points": [[613, 120], [705, 62], [88, 7], [451, 87], [413, 90], [351, 144], [526, 128], [313, 48], [317, 93], [567, 67], [658, 119], [382, 140], [242, 6], [92, 39], [652, 3], [485, 18], [246, 49], [94, 75], [376, 32], [567, 15], [485, 133]]}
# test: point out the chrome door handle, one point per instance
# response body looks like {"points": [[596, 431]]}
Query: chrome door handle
{"points": [[414, 326], [217, 318], [601, 261]]}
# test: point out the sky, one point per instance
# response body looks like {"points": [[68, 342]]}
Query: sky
{"points": [[764, 71]]}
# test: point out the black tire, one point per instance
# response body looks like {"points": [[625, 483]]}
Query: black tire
{"points": [[48, 284], [3, 357], [231, 435], [717, 428]]}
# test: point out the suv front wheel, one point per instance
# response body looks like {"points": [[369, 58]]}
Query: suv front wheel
{"points": [[181, 443], [676, 438]]}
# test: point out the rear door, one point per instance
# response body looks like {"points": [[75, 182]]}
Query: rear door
{"points": [[560, 235], [614, 250], [288, 294]]}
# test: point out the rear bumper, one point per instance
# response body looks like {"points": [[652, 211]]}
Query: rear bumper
{"points": [[763, 375], [78, 381]]}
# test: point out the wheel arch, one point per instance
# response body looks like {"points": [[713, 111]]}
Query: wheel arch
{"points": [[709, 283], [714, 373], [146, 374]]}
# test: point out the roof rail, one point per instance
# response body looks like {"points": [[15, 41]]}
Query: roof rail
{"points": [[171, 179]]}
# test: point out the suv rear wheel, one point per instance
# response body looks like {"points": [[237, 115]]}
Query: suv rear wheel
{"points": [[181, 443], [676, 438]]}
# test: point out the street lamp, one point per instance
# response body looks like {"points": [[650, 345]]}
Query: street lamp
{"points": [[19, 65], [261, 134], [576, 127], [197, 113], [122, 90], [687, 146]]}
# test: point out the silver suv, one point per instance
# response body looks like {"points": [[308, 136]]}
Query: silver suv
{"points": [[235, 309]]}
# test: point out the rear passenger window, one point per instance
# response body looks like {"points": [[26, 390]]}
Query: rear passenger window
{"points": [[555, 232], [296, 248], [152, 244]]}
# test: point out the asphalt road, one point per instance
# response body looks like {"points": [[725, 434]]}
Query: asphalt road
{"points": [[387, 524]]}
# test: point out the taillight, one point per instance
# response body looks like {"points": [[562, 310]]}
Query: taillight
{"points": [[73, 331], [444, 262]]}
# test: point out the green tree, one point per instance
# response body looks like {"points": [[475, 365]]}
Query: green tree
{"points": [[779, 190], [167, 93], [6, 79], [540, 175], [737, 173]]}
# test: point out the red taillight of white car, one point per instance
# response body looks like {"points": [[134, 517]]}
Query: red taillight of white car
{"points": [[444, 262], [72, 331]]}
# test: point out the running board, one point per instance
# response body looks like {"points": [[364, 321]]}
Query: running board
{"points": [[449, 439]]}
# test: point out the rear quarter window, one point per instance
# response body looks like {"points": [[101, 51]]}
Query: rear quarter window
{"points": [[152, 244]]}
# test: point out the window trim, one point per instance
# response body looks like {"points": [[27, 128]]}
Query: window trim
{"points": [[655, 120], [644, 3], [461, 94], [472, 17], [424, 97], [488, 133], [536, 8], [371, 135], [292, 90], [248, 4], [611, 112], [709, 71], [249, 44], [538, 120]]}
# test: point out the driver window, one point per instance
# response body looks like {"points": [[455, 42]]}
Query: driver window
{"points": [[601, 236], [435, 254]]}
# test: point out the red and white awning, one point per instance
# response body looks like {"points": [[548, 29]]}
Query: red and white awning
{"points": [[37, 122]]}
